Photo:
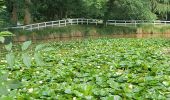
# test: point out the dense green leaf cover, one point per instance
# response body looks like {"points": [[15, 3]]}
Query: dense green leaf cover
{"points": [[106, 69]]}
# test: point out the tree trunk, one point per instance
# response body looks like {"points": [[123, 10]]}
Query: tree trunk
{"points": [[14, 17], [27, 17]]}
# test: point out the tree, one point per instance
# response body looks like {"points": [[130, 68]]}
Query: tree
{"points": [[95, 8], [12, 9], [3, 14], [27, 17], [28, 11], [129, 9], [160, 7]]}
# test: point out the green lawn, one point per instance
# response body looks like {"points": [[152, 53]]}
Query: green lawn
{"points": [[106, 69]]}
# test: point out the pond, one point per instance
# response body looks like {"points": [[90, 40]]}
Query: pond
{"points": [[92, 69]]}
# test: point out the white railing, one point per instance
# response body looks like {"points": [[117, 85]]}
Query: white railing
{"points": [[66, 22], [58, 23], [136, 22]]}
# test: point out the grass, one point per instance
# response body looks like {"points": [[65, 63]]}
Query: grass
{"points": [[88, 30], [84, 29], [96, 69], [155, 29]]}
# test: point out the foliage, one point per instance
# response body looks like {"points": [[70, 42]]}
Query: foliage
{"points": [[6, 33], [2, 39], [129, 9], [160, 7], [7, 85], [95, 8], [85, 30], [105, 69], [42, 10], [26, 59], [3, 13], [154, 29]]}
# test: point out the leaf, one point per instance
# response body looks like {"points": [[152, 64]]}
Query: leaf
{"points": [[14, 84], [25, 45], [6, 33], [38, 59], [48, 49], [68, 91], [2, 39], [6, 98], [26, 59], [8, 47], [39, 47], [3, 90], [117, 97], [4, 77], [45, 93], [10, 59]]}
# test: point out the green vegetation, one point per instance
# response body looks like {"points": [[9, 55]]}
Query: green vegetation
{"points": [[85, 30], [91, 30], [32, 11], [103, 69], [6, 37], [155, 29], [98, 69], [6, 33]]}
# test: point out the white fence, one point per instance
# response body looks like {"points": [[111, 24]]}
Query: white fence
{"points": [[65, 22], [136, 22], [58, 23]]}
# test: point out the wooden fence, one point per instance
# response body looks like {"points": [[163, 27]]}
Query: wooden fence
{"points": [[66, 22]]}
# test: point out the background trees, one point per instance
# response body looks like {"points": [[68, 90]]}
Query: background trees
{"points": [[129, 9], [3, 14], [30, 11], [161, 8]]}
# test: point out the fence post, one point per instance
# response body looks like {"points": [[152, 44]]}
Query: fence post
{"points": [[52, 24], [135, 23], [96, 22], [38, 26], [65, 23], [59, 23], [31, 27], [81, 21], [45, 24], [23, 27], [125, 23], [115, 22], [154, 23], [87, 21], [71, 21], [77, 21]]}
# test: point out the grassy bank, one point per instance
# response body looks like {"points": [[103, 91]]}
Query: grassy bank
{"points": [[84, 29], [88, 30], [150, 28], [99, 29]]}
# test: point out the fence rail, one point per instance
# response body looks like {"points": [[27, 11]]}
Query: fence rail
{"points": [[66, 22]]}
